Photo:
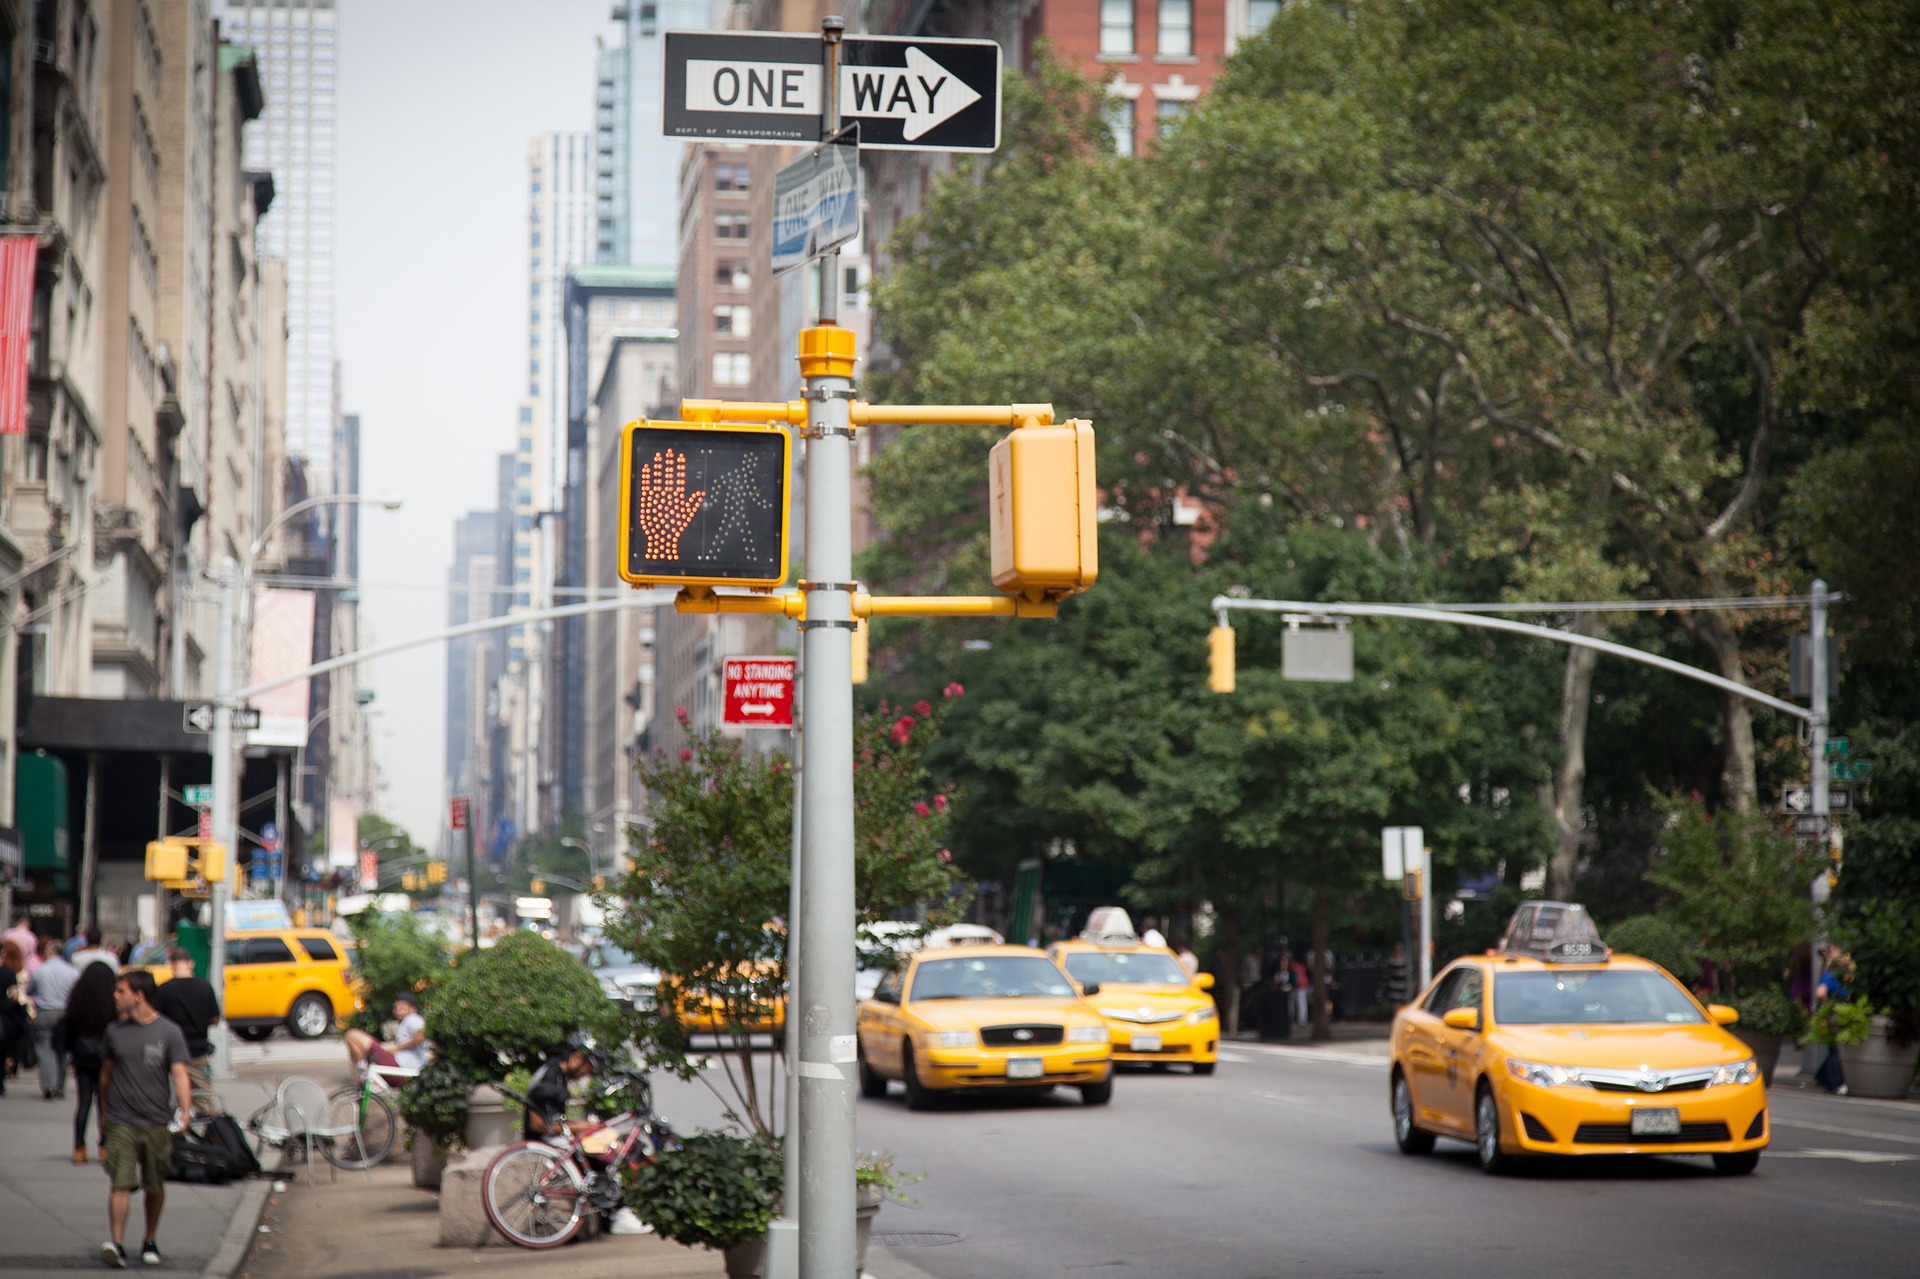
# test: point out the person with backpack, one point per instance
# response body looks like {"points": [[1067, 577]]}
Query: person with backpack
{"points": [[82, 1035], [146, 1097], [189, 1003]]}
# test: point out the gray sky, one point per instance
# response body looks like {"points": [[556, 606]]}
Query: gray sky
{"points": [[437, 102]]}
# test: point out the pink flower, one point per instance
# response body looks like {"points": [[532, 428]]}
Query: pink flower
{"points": [[680, 713], [920, 809], [952, 690], [946, 854], [940, 802], [922, 708], [685, 755], [903, 730]]}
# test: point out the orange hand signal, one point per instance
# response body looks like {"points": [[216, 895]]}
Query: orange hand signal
{"points": [[666, 508]]}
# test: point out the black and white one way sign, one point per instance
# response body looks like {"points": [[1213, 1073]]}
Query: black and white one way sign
{"points": [[906, 94]]}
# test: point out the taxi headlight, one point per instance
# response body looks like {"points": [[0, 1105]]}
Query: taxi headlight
{"points": [[1198, 1015], [949, 1039], [1741, 1072], [1087, 1034], [1543, 1076]]}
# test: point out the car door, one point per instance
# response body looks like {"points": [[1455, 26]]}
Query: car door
{"points": [[1460, 1050], [274, 973], [1424, 1051], [242, 996], [882, 1043]]}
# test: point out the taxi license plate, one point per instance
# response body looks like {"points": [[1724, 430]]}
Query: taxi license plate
{"points": [[1145, 1044], [1655, 1123], [1026, 1068]]}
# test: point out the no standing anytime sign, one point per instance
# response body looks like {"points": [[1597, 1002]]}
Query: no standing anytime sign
{"points": [[759, 692]]}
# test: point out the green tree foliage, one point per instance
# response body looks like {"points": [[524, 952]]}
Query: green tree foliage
{"points": [[1738, 889], [396, 955]]}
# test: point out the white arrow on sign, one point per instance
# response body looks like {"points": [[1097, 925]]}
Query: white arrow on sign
{"points": [[199, 719], [1797, 799], [756, 708], [922, 94]]}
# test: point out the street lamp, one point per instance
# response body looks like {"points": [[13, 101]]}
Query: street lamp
{"points": [[226, 815], [585, 847]]}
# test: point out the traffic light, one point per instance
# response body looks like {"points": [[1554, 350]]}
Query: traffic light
{"points": [[1042, 511], [436, 872], [704, 505], [406, 881], [166, 861], [1220, 659], [538, 887], [860, 650], [599, 883]]}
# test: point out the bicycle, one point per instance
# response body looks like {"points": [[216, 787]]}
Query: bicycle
{"points": [[538, 1192], [368, 1108]]}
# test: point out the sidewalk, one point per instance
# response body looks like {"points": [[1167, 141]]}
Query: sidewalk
{"points": [[53, 1212]]}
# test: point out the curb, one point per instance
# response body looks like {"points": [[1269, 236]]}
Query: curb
{"points": [[240, 1232]]}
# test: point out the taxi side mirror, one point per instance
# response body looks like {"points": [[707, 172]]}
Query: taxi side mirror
{"points": [[1462, 1018], [1203, 981], [1723, 1015], [1089, 990]]}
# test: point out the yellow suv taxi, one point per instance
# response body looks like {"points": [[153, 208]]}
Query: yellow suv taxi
{"points": [[1155, 1011], [1553, 1045], [980, 1016], [292, 977]]}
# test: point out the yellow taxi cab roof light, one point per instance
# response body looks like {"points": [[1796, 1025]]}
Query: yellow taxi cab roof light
{"points": [[1110, 925], [1554, 933], [962, 935]]}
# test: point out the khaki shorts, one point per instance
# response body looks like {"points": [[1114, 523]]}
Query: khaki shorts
{"points": [[200, 1080], [138, 1157]]}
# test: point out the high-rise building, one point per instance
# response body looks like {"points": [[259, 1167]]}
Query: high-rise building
{"points": [[559, 238], [295, 42], [637, 167], [473, 661]]}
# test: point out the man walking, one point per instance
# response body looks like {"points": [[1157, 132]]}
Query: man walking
{"points": [[189, 1003], [143, 1094], [48, 988]]}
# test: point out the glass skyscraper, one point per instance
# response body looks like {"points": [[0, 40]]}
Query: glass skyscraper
{"points": [[637, 169]]}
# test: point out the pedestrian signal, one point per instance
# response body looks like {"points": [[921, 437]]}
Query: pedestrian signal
{"points": [[704, 505], [1042, 511], [1220, 659]]}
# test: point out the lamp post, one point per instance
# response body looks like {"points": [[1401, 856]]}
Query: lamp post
{"points": [[234, 579]]}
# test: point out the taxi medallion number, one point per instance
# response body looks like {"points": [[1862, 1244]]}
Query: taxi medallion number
{"points": [[1663, 1122], [1144, 1044], [1026, 1068]]}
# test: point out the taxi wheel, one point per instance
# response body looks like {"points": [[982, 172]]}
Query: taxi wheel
{"points": [[919, 1097], [310, 1017], [1737, 1164], [1097, 1094], [871, 1084], [254, 1034], [1486, 1134], [1412, 1139], [1203, 1067]]}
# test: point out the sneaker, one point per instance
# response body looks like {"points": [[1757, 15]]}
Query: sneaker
{"points": [[627, 1222], [150, 1253], [114, 1255], [79, 1154]]}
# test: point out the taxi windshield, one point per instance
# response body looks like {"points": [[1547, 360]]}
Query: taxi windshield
{"points": [[1109, 969], [1620, 996], [988, 977]]}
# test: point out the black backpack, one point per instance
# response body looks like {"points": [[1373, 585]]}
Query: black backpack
{"points": [[212, 1151]]}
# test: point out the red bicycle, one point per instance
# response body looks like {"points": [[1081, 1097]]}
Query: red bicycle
{"points": [[538, 1193]]}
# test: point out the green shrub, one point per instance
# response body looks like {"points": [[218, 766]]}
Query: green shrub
{"points": [[1843, 1021], [1766, 1010], [1737, 886], [396, 955], [717, 1190], [434, 1103], [1879, 935], [1654, 937]]}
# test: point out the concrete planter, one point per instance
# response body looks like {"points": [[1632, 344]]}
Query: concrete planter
{"points": [[747, 1259], [1876, 1068], [429, 1162], [1766, 1050], [489, 1122], [463, 1215], [863, 1229]]}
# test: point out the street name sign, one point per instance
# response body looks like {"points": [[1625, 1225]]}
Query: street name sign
{"points": [[704, 505], [906, 93], [1810, 825], [816, 201], [759, 692], [1799, 799], [197, 796], [197, 717]]}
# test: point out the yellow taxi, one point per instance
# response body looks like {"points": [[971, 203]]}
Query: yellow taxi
{"points": [[1155, 1012], [981, 1016], [292, 977], [1552, 1045]]}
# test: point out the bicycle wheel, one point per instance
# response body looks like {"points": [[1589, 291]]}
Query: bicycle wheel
{"points": [[534, 1195], [376, 1125]]}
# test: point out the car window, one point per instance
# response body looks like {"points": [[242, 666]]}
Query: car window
{"points": [[1630, 996], [1468, 990], [1442, 997], [320, 948], [1143, 969], [266, 950], [235, 952], [889, 988], [989, 977]]}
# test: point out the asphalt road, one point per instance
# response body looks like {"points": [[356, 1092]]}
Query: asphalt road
{"points": [[1283, 1165]]}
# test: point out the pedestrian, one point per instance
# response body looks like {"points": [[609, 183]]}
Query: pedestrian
{"points": [[21, 935], [1398, 988], [91, 950], [1189, 961], [82, 1035], [189, 1003], [49, 987], [146, 1098], [1302, 984], [548, 1094], [407, 1052], [16, 1034], [1832, 988]]}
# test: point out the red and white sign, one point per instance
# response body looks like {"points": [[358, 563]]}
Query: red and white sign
{"points": [[206, 823], [759, 692], [18, 256], [459, 814], [369, 870]]}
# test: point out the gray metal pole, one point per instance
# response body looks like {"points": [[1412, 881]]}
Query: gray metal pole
{"points": [[824, 996], [473, 885], [1425, 855], [1817, 746], [226, 803], [783, 1233]]}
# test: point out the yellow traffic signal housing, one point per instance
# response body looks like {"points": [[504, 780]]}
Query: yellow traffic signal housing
{"points": [[538, 886], [167, 861], [704, 504], [436, 872], [1411, 889], [1220, 659], [599, 883], [860, 650], [1043, 512]]}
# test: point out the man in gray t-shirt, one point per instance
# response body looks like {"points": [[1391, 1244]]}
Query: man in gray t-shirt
{"points": [[143, 1088]]}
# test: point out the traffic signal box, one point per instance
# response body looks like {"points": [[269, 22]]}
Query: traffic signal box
{"points": [[704, 504], [1043, 511], [1220, 659], [186, 866]]}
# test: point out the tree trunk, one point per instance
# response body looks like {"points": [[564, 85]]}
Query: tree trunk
{"points": [[1319, 966], [1738, 786], [1229, 983], [1569, 779]]}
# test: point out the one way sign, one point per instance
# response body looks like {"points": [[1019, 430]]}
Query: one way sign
{"points": [[906, 94]]}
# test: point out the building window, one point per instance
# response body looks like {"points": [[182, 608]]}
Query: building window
{"points": [[1260, 13], [1169, 113], [730, 226], [730, 275], [1176, 28], [730, 368], [1119, 113], [1116, 26], [733, 321], [731, 177]]}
